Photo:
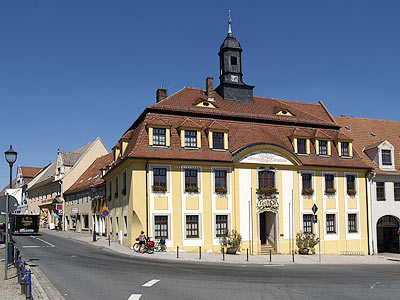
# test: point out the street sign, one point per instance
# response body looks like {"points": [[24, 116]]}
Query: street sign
{"points": [[12, 204], [315, 219], [314, 209], [105, 213]]}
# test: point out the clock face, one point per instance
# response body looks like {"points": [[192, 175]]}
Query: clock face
{"points": [[235, 78]]}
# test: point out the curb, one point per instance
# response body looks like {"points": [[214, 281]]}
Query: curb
{"points": [[42, 288]]}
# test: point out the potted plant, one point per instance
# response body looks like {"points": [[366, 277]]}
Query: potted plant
{"points": [[351, 192], [231, 241], [267, 191], [159, 188], [220, 190], [307, 192], [330, 191], [192, 189], [306, 242]]}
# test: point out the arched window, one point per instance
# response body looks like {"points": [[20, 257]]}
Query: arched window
{"points": [[388, 221], [266, 179]]}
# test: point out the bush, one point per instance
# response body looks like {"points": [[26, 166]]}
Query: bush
{"points": [[220, 190], [231, 239], [267, 191], [159, 188], [306, 241], [307, 192], [351, 192], [192, 189]]}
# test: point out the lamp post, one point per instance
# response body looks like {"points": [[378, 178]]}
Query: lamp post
{"points": [[11, 157]]}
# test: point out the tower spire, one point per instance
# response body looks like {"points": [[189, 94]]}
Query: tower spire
{"points": [[229, 22]]}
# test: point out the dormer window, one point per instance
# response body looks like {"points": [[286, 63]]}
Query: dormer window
{"points": [[302, 146], [285, 112], [386, 157], [191, 138], [323, 147], [345, 149], [159, 136]]}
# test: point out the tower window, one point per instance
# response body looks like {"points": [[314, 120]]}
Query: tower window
{"points": [[233, 60]]}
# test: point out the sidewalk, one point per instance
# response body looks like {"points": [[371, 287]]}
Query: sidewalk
{"points": [[276, 259], [10, 288]]}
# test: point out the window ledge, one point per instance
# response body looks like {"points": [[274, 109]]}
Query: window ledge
{"points": [[346, 157], [303, 154], [219, 150], [191, 148], [324, 155]]}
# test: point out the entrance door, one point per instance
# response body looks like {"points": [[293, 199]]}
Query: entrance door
{"points": [[388, 239], [267, 228]]}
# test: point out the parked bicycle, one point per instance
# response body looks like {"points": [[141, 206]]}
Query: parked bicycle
{"points": [[147, 248], [160, 245]]}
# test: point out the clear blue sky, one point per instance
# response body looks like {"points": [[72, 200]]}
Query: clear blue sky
{"points": [[74, 70]]}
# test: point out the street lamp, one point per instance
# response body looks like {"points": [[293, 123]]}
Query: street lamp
{"points": [[11, 157]]}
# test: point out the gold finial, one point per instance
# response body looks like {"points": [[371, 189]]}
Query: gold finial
{"points": [[229, 22]]}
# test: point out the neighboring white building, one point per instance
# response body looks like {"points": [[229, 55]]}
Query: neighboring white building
{"points": [[379, 142]]}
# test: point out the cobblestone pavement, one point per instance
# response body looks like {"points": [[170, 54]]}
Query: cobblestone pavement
{"points": [[9, 289]]}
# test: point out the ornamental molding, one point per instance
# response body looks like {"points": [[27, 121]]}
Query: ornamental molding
{"points": [[266, 157]]}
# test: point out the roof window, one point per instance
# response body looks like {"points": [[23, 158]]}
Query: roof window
{"points": [[373, 134], [347, 128]]}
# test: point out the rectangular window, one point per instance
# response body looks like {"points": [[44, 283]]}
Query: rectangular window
{"points": [[307, 223], [192, 226], [218, 140], [386, 157], [266, 179], [380, 191], [301, 146], [116, 186], [352, 221], [190, 178], [161, 227], [397, 191], [233, 60], [221, 225], [220, 179], [160, 177], [323, 147], [190, 138], [329, 182], [124, 181], [345, 148], [330, 223], [110, 190], [351, 179], [159, 136], [306, 180]]}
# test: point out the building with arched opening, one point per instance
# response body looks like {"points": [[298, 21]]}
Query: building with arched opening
{"points": [[203, 161]]}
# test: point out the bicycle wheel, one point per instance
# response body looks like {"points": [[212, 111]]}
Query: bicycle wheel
{"points": [[136, 247]]}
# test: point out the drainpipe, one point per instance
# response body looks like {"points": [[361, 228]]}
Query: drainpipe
{"points": [[147, 198], [370, 177]]}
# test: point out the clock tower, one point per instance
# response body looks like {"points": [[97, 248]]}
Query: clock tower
{"points": [[231, 85]]}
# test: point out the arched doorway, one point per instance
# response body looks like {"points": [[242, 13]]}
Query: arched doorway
{"points": [[387, 234]]}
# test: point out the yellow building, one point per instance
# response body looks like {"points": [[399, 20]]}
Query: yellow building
{"points": [[200, 162]]}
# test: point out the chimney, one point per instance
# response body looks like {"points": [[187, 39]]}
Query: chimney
{"points": [[209, 87], [161, 94]]}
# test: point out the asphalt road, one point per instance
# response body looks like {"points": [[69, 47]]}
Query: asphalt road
{"points": [[81, 271]]}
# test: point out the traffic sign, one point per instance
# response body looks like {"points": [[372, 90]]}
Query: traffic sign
{"points": [[314, 209], [105, 213]]}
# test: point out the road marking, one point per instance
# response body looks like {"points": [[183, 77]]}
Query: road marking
{"points": [[31, 246], [50, 244], [135, 297], [272, 265], [151, 283], [375, 284]]}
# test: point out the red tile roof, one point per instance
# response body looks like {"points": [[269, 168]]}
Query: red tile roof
{"points": [[360, 131], [248, 123], [29, 172], [92, 176]]}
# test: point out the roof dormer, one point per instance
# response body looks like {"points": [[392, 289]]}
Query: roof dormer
{"points": [[382, 154]]}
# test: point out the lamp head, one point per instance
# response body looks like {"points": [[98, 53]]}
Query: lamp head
{"points": [[11, 156]]}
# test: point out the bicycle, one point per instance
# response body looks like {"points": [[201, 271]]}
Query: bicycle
{"points": [[160, 245], [148, 247]]}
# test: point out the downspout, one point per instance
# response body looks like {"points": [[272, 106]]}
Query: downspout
{"points": [[370, 176], [147, 198]]}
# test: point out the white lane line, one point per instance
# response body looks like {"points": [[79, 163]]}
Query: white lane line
{"points": [[50, 244], [135, 297], [151, 283], [31, 246]]}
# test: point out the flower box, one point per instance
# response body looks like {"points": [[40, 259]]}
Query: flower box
{"points": [[192, 189], [307, 192], [330, 191], [159, 188], [351, 192], [220, 190], [268, 191]]}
